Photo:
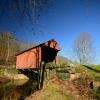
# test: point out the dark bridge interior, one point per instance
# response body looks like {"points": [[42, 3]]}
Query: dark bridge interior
{"points": [[48, 54]]}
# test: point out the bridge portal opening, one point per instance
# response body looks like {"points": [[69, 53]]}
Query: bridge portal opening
{"points": [[48, 54]]}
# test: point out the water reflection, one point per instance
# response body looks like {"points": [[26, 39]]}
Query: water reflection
{"points": [[17, 90]]}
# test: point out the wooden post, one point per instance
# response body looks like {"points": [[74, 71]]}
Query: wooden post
{"points": [[38, 79], [42, 74]]}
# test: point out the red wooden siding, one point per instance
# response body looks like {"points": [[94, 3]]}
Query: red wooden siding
{"points": [[29, 59]]}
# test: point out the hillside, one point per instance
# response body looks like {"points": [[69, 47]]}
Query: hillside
{"points": [[25, 45], [57, 89], [61, 60]]}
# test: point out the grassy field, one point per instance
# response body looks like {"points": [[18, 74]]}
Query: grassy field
{"points": [[93, 70]]}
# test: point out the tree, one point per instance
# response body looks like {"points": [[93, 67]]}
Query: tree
{"points": [[24, 45], [8, 46], [83, 48]]}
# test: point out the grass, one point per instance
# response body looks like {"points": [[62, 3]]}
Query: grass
{"points": [[97, 92], [93, 70], [53, 92], [5, 72]]}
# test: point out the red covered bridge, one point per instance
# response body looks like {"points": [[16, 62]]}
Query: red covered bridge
{"points": [[33, 57]]}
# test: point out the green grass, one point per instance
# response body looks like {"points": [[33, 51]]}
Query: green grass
{"points": [[93, 70], [96, 92], [53, 92]]}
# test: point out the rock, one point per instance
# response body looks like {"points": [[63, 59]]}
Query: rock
{"points": [[74, 76], [20, 76]]}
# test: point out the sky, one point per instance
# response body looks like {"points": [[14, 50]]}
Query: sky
{"points": [[64, 21]]}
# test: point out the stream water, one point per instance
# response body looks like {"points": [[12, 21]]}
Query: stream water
{"points": [[17, 90]]}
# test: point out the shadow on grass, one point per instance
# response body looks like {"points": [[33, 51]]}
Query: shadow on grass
{"points": [[98, 71]]}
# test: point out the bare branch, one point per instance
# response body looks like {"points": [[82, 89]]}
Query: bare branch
{"points": [[83, 48]]}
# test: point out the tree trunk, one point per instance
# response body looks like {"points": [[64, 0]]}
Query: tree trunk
{"points": [[7, 50]]}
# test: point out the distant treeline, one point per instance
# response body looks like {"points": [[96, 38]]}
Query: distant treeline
{"points": [[10, 46]]}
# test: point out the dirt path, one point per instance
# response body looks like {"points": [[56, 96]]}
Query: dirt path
{"points": [[59, 90]]}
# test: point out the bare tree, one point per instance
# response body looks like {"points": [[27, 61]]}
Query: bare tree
{"points": [[83, 48], [8, 46]]}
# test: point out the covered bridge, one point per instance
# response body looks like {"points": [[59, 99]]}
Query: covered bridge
{"points": [[33, 57], [32, 62]]}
